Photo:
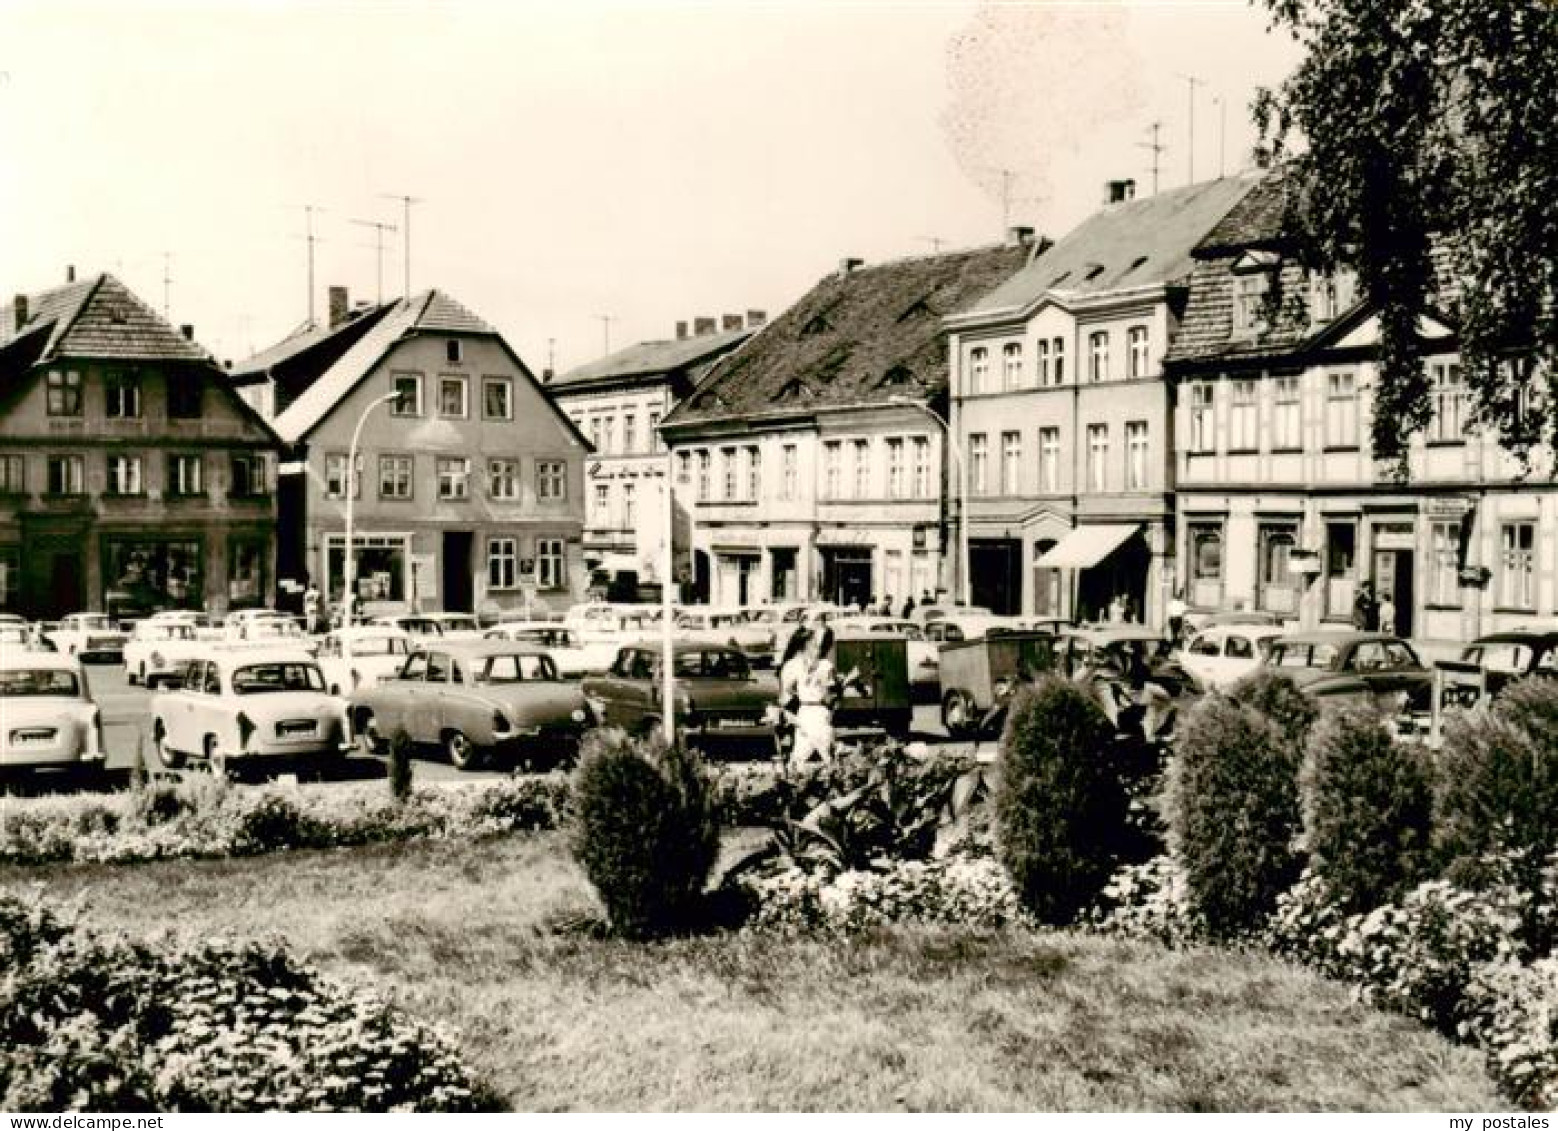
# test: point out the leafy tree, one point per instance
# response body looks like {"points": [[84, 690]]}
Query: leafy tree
{"points": [[1421, 139]]}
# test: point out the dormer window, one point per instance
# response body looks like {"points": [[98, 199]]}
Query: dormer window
{"points": [[1330, 294], [1094, 270], [916, 309], [896, 376], [1249, 302], [815, 325], [793, 390]]}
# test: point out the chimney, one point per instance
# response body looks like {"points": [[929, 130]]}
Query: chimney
{"points": [[19, 310], [1118, 192], [848, 266], [730, 322], [681, 329], [756, 318], [547, 375], [188, 331], [340, 306], [1019, 235], [70, 272], [702, 326]]}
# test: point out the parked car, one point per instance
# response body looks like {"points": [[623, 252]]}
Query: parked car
{"points": [[1363, 666], [717, 692], [89, 636], [419, 626], [206, 626], [23, 637], [1223, 654], [1199, 619], [879, 700], [457, 626], [476, 700], [724, 626], [362, 656], [979, 675], [923, 654], [249, 705], [158, 649], [47, 717], [273, 631], [1491, 663], [574, 659]]}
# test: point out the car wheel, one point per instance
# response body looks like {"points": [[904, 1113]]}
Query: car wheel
{"points": [[170, 758], [957, 714], [216, 757], [369, 741], [462, 754]]}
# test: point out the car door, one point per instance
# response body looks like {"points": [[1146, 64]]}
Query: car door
{"points": [[176, 708], [395, 701], [204, 708], [424, 715]]}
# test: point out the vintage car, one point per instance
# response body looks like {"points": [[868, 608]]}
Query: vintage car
{"points": [[477, 700], [924, 614], [158, 649], [1198, 619], [921, 652], [249, 705], [1223, 654], [1491, 663], [979, 675], [47, 717], [275, 631], [457, 626], [574, 659], [421, 627], [89, 636], [362, 656], [1343, 664], [20, 636], [1131, 652], [718, 695], [879, 697], [725, 626]]}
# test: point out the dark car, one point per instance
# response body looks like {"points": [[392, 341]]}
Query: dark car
{"points": [[1129, 652], [978, 676], [718, 695], [1365, 666], [1491, 663]]}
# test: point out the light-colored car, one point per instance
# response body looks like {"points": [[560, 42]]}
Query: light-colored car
{"points": [[47, 717], [927, 613], [89, 636], [279, 631], [158, 649], [457, 626], [23, 637], [572, 656], [206, 627], [1223, 654], [421, 627], [362, 656], [475, 700], [241, 705], [730, 627]]}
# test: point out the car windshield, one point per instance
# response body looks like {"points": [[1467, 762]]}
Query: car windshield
{"points": [[290, 675], [381, 646], [1303, 655], [712, 665], [274, 628], [460, 624], [1507, 657], [420, 627], [170, 630], [517, 668], [16, 683]]}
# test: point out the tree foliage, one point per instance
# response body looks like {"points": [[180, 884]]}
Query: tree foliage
{"points": [[1421, 138]]}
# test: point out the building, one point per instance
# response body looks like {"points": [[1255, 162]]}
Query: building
{"points": [[468, 492], [132, 477], [618, 401], [809, 458], [1060, 407], [1282, 506]]}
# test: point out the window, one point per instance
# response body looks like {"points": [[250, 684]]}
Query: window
{"points": [[1249, 302], [1203, 405], [1206, 552], [67, 475], [1330, 293], [502, 563], [1242, 420], [550, 563], [978, 455], [551, 479], [408, 395], [978, 369], [602, 507], [1011, 463], [454, 350], [629, 432], [895, 468], [703, 475], [1278, 593], [627, 506], [1341, 410], [1517, 575], [395, 477], [184, 475], [184, 398], [862, 469], [124, 396], [1059, 351], [10, 574], [1136, 344], [921, 466], [1136, 455], [728, 473], [754, 473], [124, 475], [335, 476], [1285, 421], [655, 443], [251, 477], [12, 475], [1097, 457], [1449, 393], [1098, 356], [1049, 460], [790, 469], [497, 398], [1444, 584], [832, 462], [454, 478], [503, 479], [1043, 362], [1011, 366], [64, 392], [451, 397], [597, 437]]}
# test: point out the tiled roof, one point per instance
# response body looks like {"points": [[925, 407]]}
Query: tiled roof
{"points": [[854, 338], [1256, 221], [308, 336], [101, 317], [1146, 242], [440, 314], [649, 358]]}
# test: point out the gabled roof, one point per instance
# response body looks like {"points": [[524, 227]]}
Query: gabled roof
{"points": [[838, 345], [651, 359], [1139, 243], [309, 336], [99, 317]]}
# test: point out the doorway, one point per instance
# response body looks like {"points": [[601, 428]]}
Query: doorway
{"points": [[846, 575], [1393, 574], [995, 574], [458, 589], [65, 591]]}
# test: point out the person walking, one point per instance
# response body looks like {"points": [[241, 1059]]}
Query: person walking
{"points": [[809, 686], [311, 610], [908, 607], [1176, 616], [1387, 614], [1365, 610]]}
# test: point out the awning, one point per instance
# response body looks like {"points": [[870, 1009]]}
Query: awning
{"points": [[1086, 546]]}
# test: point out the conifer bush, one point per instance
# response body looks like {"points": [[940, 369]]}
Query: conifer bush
{"points": [[1060, 808], [1280, 700], [644, 831]]}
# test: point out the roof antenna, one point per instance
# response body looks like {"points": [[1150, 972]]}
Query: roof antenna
{"points": [[405, 233]]}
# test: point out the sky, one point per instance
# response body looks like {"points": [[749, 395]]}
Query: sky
{"points": [[585, 173]]}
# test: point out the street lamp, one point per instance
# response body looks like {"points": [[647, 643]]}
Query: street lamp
{"points": [[957, 453], [349, 571]]}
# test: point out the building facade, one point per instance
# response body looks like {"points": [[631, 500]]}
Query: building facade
{"points": [[1063, 417], [1282, 506], [132, 477], [468, 492], [812, 458]]}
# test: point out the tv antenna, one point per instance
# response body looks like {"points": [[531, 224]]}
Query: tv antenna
{"points": [[379, 228], [1156, 148], [405, 233]]}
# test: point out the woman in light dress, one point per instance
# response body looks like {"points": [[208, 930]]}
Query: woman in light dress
{"points": [[809, 686]]}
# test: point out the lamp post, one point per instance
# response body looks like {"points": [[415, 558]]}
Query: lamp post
{"points": [[349, 557], [964, 586], [667, 606]]}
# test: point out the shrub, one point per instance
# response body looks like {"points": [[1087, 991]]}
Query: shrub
{"points": [[1148, 901], [274, 822], [644, 831], [400, 767], [1280, 700], [1060, 809], [1513, 1015], [971, 893], [1368, 808], [1234, 813]]}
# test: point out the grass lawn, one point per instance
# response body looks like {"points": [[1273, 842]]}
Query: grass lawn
{"points": [[913, 1019]]}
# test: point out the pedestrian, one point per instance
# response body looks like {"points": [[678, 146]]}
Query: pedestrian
{"points": [[311, 609], [908, 607], [887, 606], [1387, 614], [1365, 610], [809, 686], [1176, 615], [1117, 609]]}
